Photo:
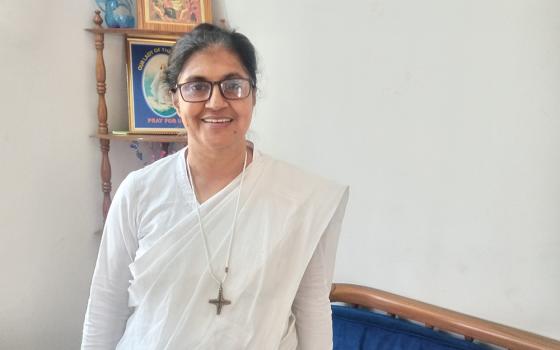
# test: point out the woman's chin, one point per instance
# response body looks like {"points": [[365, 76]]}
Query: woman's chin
{"points": [[221, 143]]}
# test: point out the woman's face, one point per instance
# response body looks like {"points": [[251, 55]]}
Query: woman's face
{"points": [[200, 118]]}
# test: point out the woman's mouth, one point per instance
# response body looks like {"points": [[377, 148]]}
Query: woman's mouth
{"points": [[217, 120]]}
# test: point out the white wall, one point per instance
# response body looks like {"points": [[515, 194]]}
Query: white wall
{"points": [[442, 116]]}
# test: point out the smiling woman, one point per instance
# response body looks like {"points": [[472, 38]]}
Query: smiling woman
{"points": [[218, 246], [220, 119]]}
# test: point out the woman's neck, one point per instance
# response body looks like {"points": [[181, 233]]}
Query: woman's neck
{"points": [[205, 162], [212, 169]]}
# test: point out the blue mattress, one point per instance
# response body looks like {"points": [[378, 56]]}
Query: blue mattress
{"points": [[362, 329]]}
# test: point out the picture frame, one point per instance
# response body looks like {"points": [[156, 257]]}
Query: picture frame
{"points": [[150, 110], [177, 16]]}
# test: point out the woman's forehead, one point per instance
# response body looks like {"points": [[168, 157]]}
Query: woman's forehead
{"points": [[213, 63]]}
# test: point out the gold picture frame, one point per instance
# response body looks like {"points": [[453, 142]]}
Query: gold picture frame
{"points": [[150, 109], [176, 16]]}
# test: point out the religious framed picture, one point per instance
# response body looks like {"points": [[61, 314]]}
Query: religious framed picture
{"points": [[150, 110], [173, 15]]}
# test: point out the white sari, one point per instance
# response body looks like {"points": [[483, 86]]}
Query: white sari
{"points": [[284, 214]]}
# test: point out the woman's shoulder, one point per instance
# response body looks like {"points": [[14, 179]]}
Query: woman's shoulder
{"points": [[287, 176], [299, 191], [160, 169], [153, 176]]}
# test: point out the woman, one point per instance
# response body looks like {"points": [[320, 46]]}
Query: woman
{"points": [[217, 246]]}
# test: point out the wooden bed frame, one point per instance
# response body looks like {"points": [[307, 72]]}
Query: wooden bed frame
{"points": [[437, 318]]}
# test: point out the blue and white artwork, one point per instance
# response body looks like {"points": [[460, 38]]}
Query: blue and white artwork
{"points": [[151, 109], [155, 91]]}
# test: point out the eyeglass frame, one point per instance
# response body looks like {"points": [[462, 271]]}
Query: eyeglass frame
{"points": [[177, 87]]}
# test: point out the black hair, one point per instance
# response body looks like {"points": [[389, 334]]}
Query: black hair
{"points": [[206, 35]]}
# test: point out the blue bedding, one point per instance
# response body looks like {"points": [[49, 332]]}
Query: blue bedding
{"points": [[365, 330]]}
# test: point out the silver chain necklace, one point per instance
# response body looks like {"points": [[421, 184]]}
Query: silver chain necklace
{"points": [[220, 300]]}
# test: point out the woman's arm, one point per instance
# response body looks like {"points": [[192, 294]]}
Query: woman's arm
{"points": [[312, 307], [108, 311]]}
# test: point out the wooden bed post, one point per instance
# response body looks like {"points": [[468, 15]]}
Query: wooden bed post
{"points": [[103, 128]]}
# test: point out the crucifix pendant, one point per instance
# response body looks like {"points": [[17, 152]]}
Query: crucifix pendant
{"points": [[220, 301]]}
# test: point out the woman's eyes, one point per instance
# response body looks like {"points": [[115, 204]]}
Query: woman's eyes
{"points": [[231, 85], [198, 86], [231, 88]]}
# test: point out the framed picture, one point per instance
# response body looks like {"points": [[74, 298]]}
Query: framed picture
{"points": [[173, 15], [149, 102]]}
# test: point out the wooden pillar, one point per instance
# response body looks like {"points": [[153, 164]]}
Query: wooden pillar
{"points": [[103, 128]]}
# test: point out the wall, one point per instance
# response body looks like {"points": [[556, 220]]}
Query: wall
{"points": [[441, 116]]}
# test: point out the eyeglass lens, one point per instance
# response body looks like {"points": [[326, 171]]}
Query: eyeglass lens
{"points": [[231, 89]]}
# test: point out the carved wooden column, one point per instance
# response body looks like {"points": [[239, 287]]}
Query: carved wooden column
{"points": [[103, 128]]}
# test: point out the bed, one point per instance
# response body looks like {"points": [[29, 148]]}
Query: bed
{"points": [[372, 319]]}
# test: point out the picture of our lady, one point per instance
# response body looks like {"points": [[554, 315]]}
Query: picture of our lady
{"points": [[151, 110], [155, 91]]}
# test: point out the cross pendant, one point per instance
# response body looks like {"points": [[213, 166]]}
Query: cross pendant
{"points": [[220, 301]]}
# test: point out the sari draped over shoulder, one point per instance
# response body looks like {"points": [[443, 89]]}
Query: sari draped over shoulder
{"points": [[283, 214]]}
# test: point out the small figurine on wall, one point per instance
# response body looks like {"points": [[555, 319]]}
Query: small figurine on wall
{"points": [[118, 13]]}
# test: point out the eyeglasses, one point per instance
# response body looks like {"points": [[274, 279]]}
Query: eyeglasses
{"points": [[201, 90]]}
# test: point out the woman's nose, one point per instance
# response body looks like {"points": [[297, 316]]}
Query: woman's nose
{"points": [[216, 101]]}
